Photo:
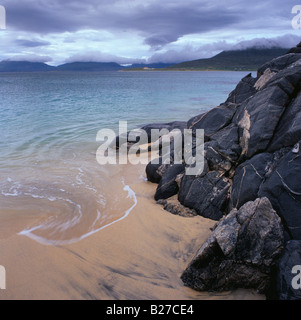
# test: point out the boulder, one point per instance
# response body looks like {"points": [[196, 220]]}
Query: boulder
{"points": [[168, 185], [178, 125], [279, 63], [208, 195], [258, 118], [133, 136], [288, 132], [288, 279], [213, 120], [296, 49], [223, 150], [174, 206], [241, 251], [244, 90], [155, 171], [248, 178], [287, 79], [264, 79], [283, 188]]}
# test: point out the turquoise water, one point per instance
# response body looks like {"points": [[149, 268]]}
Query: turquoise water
{"points": [[48, 128]]}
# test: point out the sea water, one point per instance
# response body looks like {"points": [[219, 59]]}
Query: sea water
{"points": [[48, 128]]}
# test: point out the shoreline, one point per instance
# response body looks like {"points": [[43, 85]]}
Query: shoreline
{"points": [[185, 70], [140, 257]]}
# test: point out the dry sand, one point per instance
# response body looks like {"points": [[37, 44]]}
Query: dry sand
{"points": [[140, 257]]}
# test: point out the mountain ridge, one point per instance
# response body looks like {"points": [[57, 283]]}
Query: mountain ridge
{"points": [[234, 60]]}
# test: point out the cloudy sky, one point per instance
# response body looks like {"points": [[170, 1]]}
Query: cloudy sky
{"points": [[128, 31]]}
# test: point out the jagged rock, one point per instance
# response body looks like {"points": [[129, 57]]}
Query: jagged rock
{"points": [[279, 63], [168, 185], [288, 132], [283, 188], [286, 278], [216, 160], [155, 171], [213, 120], [258, 118], [248, 178], [264, 79], [208, 195], [296, 49], [287, 79], [243, 90], [223, 150], [174, 206], [252, 153], [180, 125], [240, 252], [133, 136]]}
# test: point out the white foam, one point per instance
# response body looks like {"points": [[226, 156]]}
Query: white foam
{"points": [[29, 232], [6, 194]]}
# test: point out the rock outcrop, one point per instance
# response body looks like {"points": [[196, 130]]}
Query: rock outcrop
{"points": [[252, 155], [241, 250]]}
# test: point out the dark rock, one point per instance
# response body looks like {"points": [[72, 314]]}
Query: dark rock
{"points": [[283, 188], [288, 132], [296, 49], [208, 195], [133, 136], [223, 150], [168, 185], [240, 252], [279, 63], [216, 160], [248, 178], [213, 120], [244, 90], [258, 118], [180, 125], [251, 168], [290, 258], [154, 172], [174, 206], [288, 79]]}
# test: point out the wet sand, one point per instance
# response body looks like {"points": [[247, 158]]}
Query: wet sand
{"points": [[139, 257]]}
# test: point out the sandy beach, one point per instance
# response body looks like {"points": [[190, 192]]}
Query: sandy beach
{"points": [[139, 257]]}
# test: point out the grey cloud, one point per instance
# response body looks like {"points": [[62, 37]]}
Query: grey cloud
{"points": [[158, 22], [286, 41], [98, 56], [30, 58], [31, 43], [189, 53]]}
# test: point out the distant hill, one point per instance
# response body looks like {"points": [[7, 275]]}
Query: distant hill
{"points": [[90, 66], [248, 59], [24, 66]]}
